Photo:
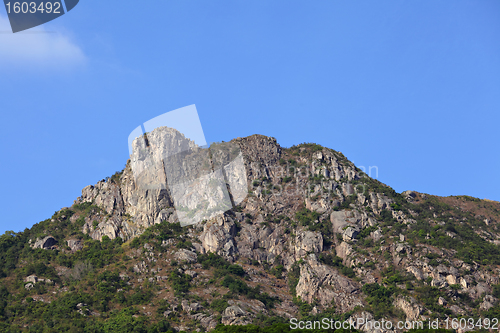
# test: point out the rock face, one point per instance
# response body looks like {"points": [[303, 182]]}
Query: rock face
{"points": [[409, 306], [155, 179], [324, 284], [75, 245], [306, 242], [218, 235], [44, 243]]}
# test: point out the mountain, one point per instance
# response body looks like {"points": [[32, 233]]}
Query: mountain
{"points": [[315, 237]]}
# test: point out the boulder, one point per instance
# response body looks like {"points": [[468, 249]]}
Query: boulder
{"points": [[140, 267], [190, 307], [439, 282], [451, 279], [234, 315], [209, 323], [185, 255], [488, 302], [32, 278], [349, 233], [192, 274], [457, 310]]}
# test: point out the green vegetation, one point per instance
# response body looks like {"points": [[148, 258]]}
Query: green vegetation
{"points": [[232, 274], [379, 299], [219, 305], [180, 282], [310, 219], [336, 262], [293, 277]]}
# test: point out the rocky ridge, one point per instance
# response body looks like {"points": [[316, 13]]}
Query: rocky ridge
{"points": [[315, 232]]}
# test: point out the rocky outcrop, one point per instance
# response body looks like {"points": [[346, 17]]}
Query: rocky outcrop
{"points": [[190, 307], [344, 250], [322, 283], [44, 243], [409, 306], [32, 278], [185, 255], [75, 245], [218, 236], [488, 302], [234, 315], [106, 195], [307, 242]]}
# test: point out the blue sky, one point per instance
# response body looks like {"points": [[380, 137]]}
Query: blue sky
{"points": [[410, 87]]}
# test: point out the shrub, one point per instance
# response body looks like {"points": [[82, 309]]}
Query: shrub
{"points": [[180, 282], [380, 299], [277, 271], [219, 305]]}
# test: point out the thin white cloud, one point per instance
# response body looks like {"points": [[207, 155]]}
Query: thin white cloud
{"points": [[37, 49]]}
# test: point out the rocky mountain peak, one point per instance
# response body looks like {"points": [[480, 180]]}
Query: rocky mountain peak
{"points": [[283, 232]]}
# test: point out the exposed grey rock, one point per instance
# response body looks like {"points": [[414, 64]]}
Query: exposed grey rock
{"points": [[341, 219], [409, 306], [306, 242], [402, 248], [75, 244], [190, 307], [208, 322], [451, 279], [409, 195], [193, 274], [29, 286], [324, 284], [344, 250], [32, 278], [218, 236], [376, 235], [349, 233], [140, 267], [185, 255], [457, 310], [439, 282], [44, 243], [167, 242], [251, 306], [488, 302], [234, 315]]}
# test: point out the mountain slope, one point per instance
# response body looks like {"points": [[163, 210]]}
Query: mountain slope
{"points": [[315, 237]]}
